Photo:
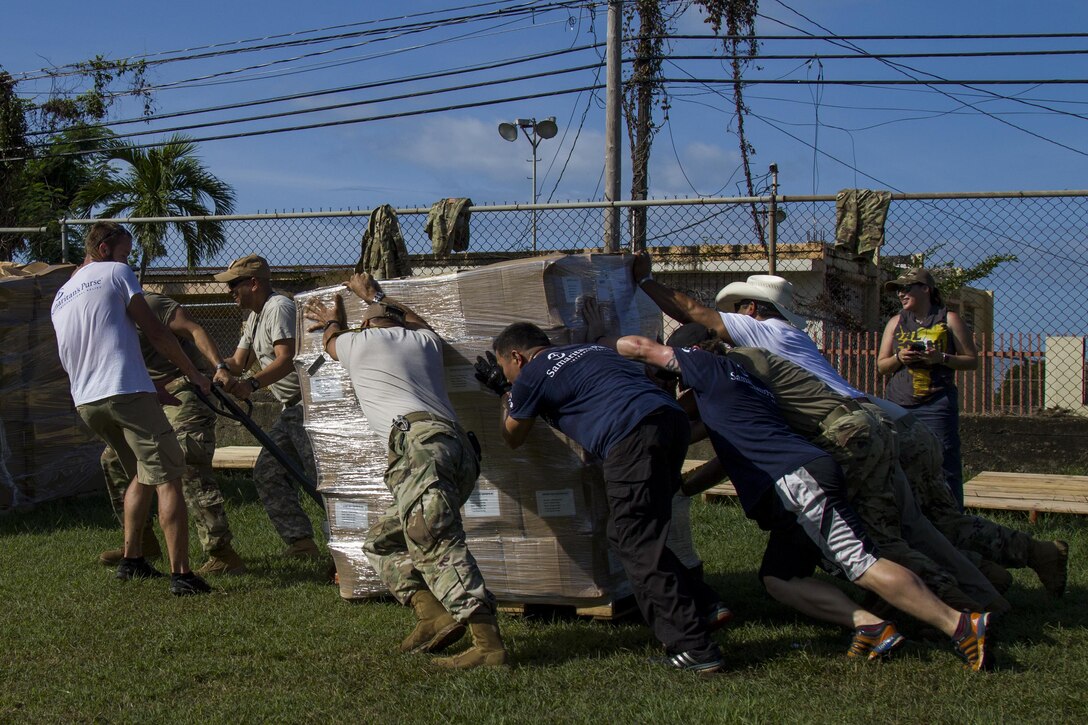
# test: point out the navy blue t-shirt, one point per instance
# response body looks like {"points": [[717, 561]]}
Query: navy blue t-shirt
{"points": [[748, 434], [589, 392]]}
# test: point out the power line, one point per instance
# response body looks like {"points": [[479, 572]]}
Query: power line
{"points": [[523, 9], [940, 81], [345, 122], [339, 106], [342, 89]]}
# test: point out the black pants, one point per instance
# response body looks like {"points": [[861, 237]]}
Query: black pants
{"points": [[642, 473]]}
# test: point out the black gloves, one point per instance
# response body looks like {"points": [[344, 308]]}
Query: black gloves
{"points": [[490, 374]]}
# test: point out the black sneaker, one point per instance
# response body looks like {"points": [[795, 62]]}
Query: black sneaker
{"points": [[187, 584], [136, 569], [704, 664]]}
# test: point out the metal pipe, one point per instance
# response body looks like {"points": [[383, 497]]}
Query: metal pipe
{"points": [[612, 145], [772, 223], [63, 240]]}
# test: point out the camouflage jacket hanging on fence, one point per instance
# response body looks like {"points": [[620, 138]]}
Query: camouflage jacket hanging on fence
{"points": [[384, 253], [859, 219], [447, 224]]}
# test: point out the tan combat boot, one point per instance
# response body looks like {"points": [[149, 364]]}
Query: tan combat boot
{"points": [[151, 548], [1050, 560], [436, 629], [223, 560], [303, 549], [487, 649]]}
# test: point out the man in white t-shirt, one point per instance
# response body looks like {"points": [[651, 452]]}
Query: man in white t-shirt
{"points": [[268, 338], [418, 545], [95, 315], [762, 317]]}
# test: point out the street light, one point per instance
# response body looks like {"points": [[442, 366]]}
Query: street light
{"points": [[535, 132]]}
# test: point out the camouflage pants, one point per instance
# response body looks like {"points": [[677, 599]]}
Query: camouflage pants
{"points": [[277, 490], [194, 424], [419, 542], [920, 458], [866, 450]]}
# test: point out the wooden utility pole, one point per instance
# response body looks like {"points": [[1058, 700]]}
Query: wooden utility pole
{"points": [[612, 127]]}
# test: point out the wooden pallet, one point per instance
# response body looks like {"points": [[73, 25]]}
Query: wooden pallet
{"points": [[237, 457], [608, 612], [1033, 492]]}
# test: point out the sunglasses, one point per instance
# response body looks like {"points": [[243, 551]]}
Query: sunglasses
{"points": [[742, 303], [233, 284]]}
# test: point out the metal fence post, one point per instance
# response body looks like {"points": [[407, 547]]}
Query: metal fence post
{"points": [[63, 240]]}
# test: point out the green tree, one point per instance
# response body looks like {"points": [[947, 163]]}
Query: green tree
{"points": [[166, 181], [644, 91], [51, 149]]}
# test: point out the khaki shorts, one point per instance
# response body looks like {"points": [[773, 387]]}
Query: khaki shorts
{"points": [[135, 426]]}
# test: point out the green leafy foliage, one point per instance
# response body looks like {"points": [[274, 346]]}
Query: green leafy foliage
{"points": [[165, 181]]}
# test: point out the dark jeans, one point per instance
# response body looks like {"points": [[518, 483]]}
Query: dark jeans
{"points": [[942, 416], [642, 473]]}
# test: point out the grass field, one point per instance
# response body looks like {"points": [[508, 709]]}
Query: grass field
{"points": [[280, 645]]}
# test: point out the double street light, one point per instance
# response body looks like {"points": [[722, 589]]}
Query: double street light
{"points": [[535, 132]]}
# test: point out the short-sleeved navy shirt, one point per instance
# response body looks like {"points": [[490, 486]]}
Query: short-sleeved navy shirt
{"points": [[748, 434], [587, 391]]}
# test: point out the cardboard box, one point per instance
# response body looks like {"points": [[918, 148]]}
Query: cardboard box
{"points": [[537, 519]]}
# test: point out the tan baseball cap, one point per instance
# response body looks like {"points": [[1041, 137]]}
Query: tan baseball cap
{"points": [[918, 275], [251, 265], [380, 309]]}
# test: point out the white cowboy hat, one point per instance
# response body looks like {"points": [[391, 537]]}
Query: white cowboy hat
{"points": [[765, 288]]}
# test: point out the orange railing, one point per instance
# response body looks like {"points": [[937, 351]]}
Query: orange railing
{"points": [[1009, 379]]}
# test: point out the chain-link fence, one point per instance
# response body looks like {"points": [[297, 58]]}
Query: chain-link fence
{"points": [[1028, 313]]}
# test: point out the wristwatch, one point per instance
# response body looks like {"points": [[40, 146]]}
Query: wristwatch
{"points": [[222, 366], [253, 383], [378, 296]]}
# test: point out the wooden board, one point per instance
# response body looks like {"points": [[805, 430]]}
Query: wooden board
{"points": [[606, 612], [1051, 493], [242, 457]]}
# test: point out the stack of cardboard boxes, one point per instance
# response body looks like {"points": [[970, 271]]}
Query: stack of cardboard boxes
{"points": [[45, 450], [536, 522]]}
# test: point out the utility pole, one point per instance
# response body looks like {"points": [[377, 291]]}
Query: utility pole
{"points": [[612, 127], [772, 224]]}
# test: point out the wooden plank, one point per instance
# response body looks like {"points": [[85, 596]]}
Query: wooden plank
{"points": [[1052, 493], [235, 457], [722, 490]]}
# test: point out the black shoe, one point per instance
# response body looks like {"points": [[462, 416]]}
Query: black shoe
{"points": [[704, 664], [718, 617], [137, 569], [187, 584]]}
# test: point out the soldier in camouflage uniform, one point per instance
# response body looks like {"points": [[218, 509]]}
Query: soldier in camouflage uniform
{"points": [[268, 340], [194, 424], [920, 458], [866, 450], [418, 546]]}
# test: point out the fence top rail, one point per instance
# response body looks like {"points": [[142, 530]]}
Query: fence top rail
{"points": [[687, 201]]}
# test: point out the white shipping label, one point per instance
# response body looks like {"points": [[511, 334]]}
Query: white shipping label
{"points": [[604, 290], [555, 503], [461, 379], [484, 502], [351, 515], [326, 387], [572, 288]]}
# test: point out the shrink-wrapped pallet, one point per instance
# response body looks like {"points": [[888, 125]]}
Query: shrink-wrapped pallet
{"points": [[47, 452], [536, 520]]}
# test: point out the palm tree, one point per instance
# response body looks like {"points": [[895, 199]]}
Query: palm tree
{"points": [[167, 181]]}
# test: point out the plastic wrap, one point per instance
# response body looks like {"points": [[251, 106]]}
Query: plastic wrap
{"points": [[47, 452], [536, 520]]}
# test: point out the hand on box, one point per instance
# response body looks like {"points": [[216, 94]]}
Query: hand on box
{"points": [[595, 326], [490, 374], [365, 287], [642, 266], [322, 313]]}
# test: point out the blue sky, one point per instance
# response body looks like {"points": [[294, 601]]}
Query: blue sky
{"points": [[910, 138]]}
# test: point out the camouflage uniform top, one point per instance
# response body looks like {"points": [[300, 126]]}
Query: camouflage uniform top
{"points": [[803, 399], [262, 330], [158, 365]]}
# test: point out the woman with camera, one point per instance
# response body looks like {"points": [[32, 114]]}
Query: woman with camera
{"points": [[921, 349]]}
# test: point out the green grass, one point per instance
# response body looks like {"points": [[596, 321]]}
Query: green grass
{"points": [[280, 645]]}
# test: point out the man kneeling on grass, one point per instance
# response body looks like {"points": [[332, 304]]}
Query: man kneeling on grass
{"points": [[797, 492]]}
